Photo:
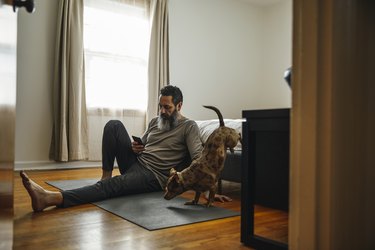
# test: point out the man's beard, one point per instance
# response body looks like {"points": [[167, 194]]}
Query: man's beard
{"points": [[166, 123]]}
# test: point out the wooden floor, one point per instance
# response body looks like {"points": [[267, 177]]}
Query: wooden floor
{"points": [[89, 227]]}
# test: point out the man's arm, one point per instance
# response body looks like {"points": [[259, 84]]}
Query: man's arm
{"points": [[140, 147], [193, 141]]}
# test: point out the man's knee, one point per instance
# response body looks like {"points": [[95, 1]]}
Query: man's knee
{"points": [[112, 124]]}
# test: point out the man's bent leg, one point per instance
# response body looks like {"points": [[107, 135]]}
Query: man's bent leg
{"points": [[106, 174], [116, 144]]}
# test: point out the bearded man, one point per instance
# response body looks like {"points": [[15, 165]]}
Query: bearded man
{"points": [[171, 140]]}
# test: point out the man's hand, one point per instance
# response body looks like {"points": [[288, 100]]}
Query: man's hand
{"points": [[137, 147]]}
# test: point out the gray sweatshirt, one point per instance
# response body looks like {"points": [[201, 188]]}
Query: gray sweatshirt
{"points": [[167, 149]]}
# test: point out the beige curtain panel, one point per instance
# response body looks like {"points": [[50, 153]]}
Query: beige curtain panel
{"points": [[69, 135], [158, 72]]}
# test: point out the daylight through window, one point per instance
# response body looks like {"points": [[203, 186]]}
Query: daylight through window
{"points": [[116, 44]]}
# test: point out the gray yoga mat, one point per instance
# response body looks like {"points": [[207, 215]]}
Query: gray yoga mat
{"points": [[150, 210]]}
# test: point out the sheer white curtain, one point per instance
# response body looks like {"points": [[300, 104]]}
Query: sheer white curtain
{"points": [[116, 42]]}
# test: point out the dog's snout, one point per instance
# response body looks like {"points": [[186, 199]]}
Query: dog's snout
{"points": [[168, 196]]}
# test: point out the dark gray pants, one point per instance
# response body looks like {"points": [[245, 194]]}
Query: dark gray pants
{"points": [[134, 178]]}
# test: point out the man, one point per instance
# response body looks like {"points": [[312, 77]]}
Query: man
{"points": [[169, 140]]}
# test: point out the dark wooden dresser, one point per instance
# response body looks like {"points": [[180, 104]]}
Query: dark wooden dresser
{"points": [[265, 169]]}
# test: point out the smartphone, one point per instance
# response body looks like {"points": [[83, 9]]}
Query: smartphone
{"points": [[137, 139]]}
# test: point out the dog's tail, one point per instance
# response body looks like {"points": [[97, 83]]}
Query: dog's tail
{"points": [[221, 120]]}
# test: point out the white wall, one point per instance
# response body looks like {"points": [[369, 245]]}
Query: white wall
{"points": [[276, 53], [226, 53], [35, 64], [230, 54]]}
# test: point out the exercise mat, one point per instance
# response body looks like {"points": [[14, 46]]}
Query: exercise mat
{"points": [[150, 210]]}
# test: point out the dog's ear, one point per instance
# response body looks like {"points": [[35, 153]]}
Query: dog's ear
{"points": [[174, 175], [172, 171], [177, 178]]}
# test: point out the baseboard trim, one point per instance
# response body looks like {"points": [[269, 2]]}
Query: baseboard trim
{"points": [[47, 165]]}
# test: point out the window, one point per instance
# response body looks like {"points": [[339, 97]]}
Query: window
{"points": [[116, 45]]}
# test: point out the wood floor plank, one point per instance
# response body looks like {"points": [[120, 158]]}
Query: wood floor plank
{"points": [[89, 227]]}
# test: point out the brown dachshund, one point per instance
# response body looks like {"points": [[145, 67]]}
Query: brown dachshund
{"points": [[203, 173]]}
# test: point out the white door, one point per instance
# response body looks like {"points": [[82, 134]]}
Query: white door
{"points": [[8, 70]]}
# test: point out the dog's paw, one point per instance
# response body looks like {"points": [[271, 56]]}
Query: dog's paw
{"points": [[192, 202], [208, 204]]}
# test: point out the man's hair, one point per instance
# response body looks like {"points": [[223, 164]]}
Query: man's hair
{"points": [[173, 91]]}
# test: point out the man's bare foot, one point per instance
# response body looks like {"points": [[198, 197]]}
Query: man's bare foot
{"points": [[106, 174], [219, 197], [40, 198], [222, 198]]}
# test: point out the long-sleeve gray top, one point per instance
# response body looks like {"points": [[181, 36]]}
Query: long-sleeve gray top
{"points": [[167, 149]]}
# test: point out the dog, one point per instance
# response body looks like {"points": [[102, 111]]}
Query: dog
{"points": [[203, 173]]}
